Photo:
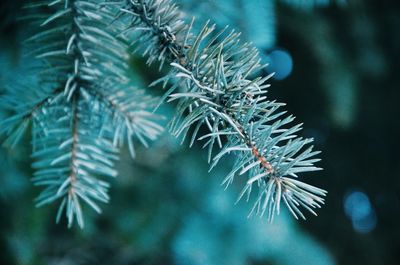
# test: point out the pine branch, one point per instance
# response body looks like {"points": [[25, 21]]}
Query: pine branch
{"points": [[85, 107], [69, 159], [215, 71]]}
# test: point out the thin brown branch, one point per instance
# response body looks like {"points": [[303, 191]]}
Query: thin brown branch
{"points": [[74, 145]]}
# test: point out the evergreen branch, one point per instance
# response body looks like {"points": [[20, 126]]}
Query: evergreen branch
{"points": [[79, 126], [68, 159], [219, 93]]}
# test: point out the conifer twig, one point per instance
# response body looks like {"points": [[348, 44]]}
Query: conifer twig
{"points": [[83, 107], [215, 72]]}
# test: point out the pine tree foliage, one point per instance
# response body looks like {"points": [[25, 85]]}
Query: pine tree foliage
{"points": [[217, 87], [83, 107]]}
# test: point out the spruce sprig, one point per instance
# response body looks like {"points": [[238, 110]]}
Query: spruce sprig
{"points": [[83, 107], [217, 87]]}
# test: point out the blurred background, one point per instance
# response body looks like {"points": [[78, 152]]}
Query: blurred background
{"points": [[336, 66]]}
